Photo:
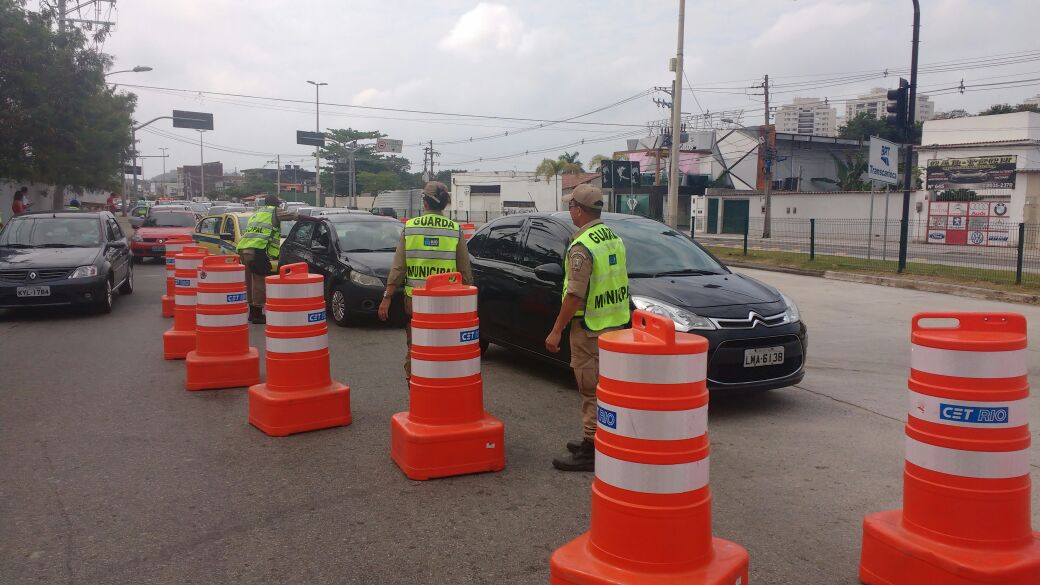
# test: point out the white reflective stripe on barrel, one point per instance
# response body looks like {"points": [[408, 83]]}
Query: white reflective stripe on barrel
{"points": [[185, 300], [447, 369], [297, 344], [185, 282], [233, 320], [296, 291], [977, 464], [647, 478], [444, 305], [221, 299], [295, 318], [965, 413], [968, 364], [653, 369], [222, 277], [654, 425], [445, 337], [187, 263]]}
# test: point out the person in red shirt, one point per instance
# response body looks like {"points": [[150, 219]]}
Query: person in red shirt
{"points": [[18, 206], [111, 202]]}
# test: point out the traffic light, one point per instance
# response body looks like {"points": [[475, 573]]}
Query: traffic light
{"points": [[898, 100]]}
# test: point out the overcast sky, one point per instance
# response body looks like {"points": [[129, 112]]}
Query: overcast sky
{"points": [[534, 59]]}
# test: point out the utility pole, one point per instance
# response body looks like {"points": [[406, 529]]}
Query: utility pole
{"points": [[317, 150], [671, 216], [164, 155], [202, 168], [908, 149], [278, 176], [767, 163]]}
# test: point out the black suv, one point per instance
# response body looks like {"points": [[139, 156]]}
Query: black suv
{"points": [[354, 252], [50, 258], [756, 336]]}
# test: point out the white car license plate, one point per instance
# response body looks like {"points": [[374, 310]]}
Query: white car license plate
{"points": [[158, 248], [763, 356], [33, 291]]}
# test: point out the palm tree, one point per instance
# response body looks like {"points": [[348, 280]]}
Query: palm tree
{"points": [[550, 168], [571, 158], [598, 159], [850, 173]]}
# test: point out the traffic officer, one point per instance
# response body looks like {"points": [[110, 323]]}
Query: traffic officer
{"points": [[258, 246], [430, 244], [595, 300]]}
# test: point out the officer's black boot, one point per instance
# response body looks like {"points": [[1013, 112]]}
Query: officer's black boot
{"points": [[256, 315], [583, 460], [575, 446]]}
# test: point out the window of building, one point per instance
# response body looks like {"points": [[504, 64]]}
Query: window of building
{"points": [[485, 190]]}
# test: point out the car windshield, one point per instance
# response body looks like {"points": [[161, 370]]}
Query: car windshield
{"points": [[171, 220], [653, 249], [52, 232], [368, 236]]}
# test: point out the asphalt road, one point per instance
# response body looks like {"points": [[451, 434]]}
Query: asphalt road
{"points": [[113, 473]]}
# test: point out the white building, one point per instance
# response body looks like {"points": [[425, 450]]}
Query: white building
{"points": [[875, 103], [490, 194], [811, 116], [1033, 101]]}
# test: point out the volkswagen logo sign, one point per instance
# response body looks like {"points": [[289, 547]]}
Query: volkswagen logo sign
{"points": [[32, 276]]}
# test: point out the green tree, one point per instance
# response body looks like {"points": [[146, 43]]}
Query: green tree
{"points": [[369, 165], [952, 114], [596, 160], [571, 158], [864, 125], [1009, 109], [59, 121], [850, 173]]}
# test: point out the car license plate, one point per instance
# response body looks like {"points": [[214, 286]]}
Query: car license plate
{"points": [[158, 248], [763, 356], [33, 291]]}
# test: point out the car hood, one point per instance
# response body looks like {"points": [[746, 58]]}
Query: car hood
{"points": [[377, 263], [720, 294], [22, 258], [163, 232]]}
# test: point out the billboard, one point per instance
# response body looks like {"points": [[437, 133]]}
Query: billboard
{"points": [[619, 173], [969, 223], [310, 138], [980, 172], [194, 120], [389, 145]]}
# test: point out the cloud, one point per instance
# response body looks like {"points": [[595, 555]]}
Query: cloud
{"points": [[396, 95], [492, 28], [797, 26]]}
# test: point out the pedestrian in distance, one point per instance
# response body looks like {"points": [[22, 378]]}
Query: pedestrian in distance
{"points": [[594, 266], [257, 248], [26, 200], [18, 205], [430, 244], [111, 202]]}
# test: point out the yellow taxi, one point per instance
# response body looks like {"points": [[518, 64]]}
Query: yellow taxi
{"points": [[220, 233]]}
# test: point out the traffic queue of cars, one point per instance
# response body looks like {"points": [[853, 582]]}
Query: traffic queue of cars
{"points": [[756, 337]]}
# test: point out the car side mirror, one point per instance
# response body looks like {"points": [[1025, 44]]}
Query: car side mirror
{"points": [[551, 272], [117, 243], [136, 222]]}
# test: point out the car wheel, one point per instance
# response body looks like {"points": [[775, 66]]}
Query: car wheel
{"points": [[127, 287], [103, 305], [338, 307]]}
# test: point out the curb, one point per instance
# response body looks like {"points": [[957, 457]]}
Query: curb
{"points": [[959, 290]]}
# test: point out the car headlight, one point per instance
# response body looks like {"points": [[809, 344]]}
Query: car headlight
{"points": [[365, 279], [791, 314], [683, 319], [84, 272], [136, 238]]}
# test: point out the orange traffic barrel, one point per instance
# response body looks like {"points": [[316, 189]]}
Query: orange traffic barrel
{"points": [[299, 394], [174, 246], [651, 503], [180, 339], [222, 357], [446, 431], [467, 230], [966, 488]]}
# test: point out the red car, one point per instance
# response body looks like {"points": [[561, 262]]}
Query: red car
{"points": [[150, 237]]}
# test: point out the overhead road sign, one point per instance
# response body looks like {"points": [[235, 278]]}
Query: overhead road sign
{"points": [[389, 145], [194, 120], [883, 165], [310, 138], [619, 173], [131, 170]]}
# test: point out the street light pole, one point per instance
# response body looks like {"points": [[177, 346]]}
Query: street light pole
{"points": [[908, 159], [138, 69], [672, 213], [164, 155], [202, 168], [317, 150]]}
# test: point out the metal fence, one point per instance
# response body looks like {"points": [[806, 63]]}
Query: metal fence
{"points": [[1000, 257]]}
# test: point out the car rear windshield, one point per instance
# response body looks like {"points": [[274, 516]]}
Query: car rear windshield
{"points": [[171, 220], [368, 236], [52, 232], [653, 248]]}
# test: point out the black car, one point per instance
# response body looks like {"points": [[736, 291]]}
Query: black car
{"points": [[353, 251], [50, 258], [384, 211], [756, 337]]}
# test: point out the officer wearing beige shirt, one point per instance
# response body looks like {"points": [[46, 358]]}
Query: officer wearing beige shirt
{"points": [[596, 271]]}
